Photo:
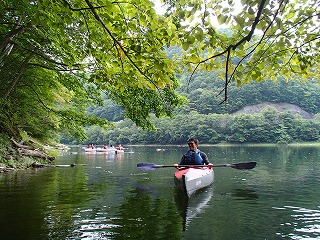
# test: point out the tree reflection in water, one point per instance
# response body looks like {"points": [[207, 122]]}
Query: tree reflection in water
{"points": [[143, 216], [244, 194]]}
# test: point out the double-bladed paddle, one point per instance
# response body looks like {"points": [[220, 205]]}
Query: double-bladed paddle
{"points": [[241, 165]]}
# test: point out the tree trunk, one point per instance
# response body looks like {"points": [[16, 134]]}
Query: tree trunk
{"points": [[35, 153], [22, 146], [18, 77], [31, 151]]}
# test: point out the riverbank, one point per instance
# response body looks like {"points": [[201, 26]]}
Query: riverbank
{"points": [[11, 158], [14, 155]]}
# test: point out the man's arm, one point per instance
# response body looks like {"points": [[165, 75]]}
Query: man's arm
{"points": [[204, 157], [182, 160]]}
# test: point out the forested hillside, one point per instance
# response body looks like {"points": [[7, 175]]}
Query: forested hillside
{"points": [[205, 95], [213, 122], [203, 92]]}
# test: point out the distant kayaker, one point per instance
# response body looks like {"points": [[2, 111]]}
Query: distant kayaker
{"points": [[194, 156]]}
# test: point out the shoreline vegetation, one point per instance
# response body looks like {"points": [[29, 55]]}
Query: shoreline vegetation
{"points": [[267, 126], [17, 156], [26, 154]]}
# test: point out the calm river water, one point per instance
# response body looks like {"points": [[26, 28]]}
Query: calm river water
{"points": [[110, 198]]}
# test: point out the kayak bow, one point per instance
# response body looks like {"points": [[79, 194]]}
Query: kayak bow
{"points": [[189, 180]]}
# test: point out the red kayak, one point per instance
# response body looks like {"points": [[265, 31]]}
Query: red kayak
{"points": [[189, 180]]}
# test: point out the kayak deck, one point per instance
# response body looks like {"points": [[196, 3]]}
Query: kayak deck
{"points": [[189, 180]]}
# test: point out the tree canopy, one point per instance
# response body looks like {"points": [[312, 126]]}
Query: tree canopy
{"points": [[268, 38], [57, 56]]}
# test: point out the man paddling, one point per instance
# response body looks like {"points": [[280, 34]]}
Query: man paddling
{"points": [[194, 156]]}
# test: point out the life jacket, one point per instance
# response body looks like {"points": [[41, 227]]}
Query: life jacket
{"points": [[192, 158]]}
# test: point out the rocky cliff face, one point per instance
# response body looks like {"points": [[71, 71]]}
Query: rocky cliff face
{"points": [[281, 107]]}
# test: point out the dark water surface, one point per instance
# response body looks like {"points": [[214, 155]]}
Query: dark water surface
{"points": [[110, 198]]}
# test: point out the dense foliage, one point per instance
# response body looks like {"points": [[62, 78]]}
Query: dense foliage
{"points": [[213, 123], [268, 38], [204, 93], [204, 96], [57, 57], [268, 126]]}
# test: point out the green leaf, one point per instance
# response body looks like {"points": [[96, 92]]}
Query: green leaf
{"points": [[199, 35], [191, 39], [185, 46], [251, 11], [239, 20], [222, 19]]}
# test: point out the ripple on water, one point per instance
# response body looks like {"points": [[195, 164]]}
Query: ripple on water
{"points": [[304, 223], [93, 225]]}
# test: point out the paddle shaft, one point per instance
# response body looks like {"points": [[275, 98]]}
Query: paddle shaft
{"points": [[241, 165], [214, 165], [164, 166]]}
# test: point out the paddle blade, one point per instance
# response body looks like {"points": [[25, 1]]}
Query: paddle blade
{"points": [[244, 165], [147, 166]]}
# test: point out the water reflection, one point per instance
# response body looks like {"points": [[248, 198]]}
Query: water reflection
{"points": [[244, 194], [140, 216], [147, 189], [144, 217], [93, 224], [305, 222], [190, 208], [39, 204], [110, 198]]}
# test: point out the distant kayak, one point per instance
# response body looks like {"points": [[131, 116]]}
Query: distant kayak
{"points": [[105, 149], [101, 150], [89, 149]]}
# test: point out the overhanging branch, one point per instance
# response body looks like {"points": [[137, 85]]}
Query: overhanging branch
{"points": [[234, 47], [97, 16]]}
